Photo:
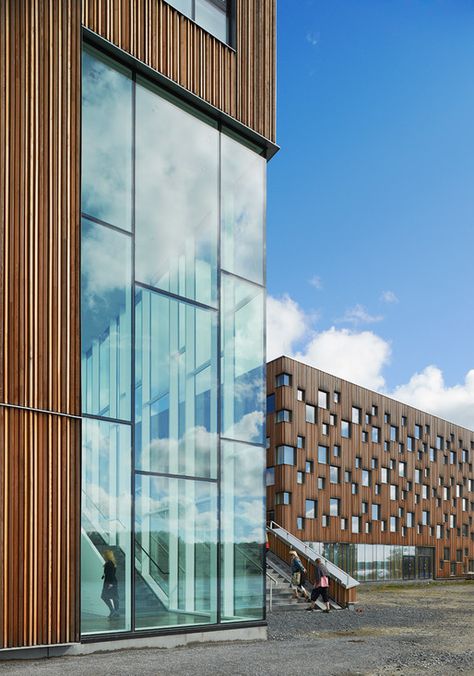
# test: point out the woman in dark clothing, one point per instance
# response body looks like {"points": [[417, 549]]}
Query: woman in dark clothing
{"points": [[110, 589], [321, 586]]}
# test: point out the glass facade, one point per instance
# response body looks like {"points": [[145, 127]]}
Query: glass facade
{"points": [[173, 379], [371, 563]]}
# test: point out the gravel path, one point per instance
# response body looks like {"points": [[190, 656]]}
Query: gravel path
{"points": [[422, 629]]}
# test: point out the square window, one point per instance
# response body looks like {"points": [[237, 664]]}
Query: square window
{"points": [[299, 523], [355, 524], [336, 397], [283, 415], [325, 429], [332, 419], [309, 467], [334, 474], [323, 399], [283, 379], [336, 451], [334, 506], [300, 477], [375, 435], [365, 477], [321, 483], [356, 414], [375, 512], [323, 454], [310, 509], [285, 455], [310, 414], [345, 429], [300, 442], [364, 436], [300, 394], [283, 498]]}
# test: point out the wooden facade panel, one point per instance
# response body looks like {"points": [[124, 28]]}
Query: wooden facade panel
{"points": [[39, 204], [459, 540], [39, 526], [239, 82]]}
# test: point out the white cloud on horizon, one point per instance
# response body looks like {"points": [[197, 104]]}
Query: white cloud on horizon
{"points": [[360, 357]]}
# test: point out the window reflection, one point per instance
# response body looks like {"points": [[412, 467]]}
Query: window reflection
{"points": [[177, 161], [106, 186], [242, 515], [243, 368], [106, 263], [176, 387], [105, 527], [175, 552], [243, 197]]}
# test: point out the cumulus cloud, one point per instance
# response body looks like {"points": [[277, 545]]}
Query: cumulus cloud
{"points": [[389, 297], [428, 391], [359, 315], [358, 356]]}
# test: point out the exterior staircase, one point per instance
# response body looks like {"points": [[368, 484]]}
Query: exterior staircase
{"points": [[342, 587], [279, 592]]}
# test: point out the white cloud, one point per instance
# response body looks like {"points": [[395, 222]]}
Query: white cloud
{"points": [[316, 282], [428, 392], [356, 356], [359, 315], [389, 297], [287, 324]]}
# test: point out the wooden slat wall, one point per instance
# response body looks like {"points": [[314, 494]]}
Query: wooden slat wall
{"points": [[39, 319], [311, 380], [39, 522], [239, 82]]}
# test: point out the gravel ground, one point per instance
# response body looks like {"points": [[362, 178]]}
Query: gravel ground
{"points": [[419, 629]]}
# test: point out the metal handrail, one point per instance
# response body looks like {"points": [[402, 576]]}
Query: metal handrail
{"points": [[273, 583], [343, 578]]}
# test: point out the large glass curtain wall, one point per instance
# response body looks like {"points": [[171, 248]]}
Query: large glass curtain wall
{"points": [[172, 361]]}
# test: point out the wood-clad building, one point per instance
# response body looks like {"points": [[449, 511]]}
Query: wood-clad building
{"points": [[216, 60], [381, 488]]}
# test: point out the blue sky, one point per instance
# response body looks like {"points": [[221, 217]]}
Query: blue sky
{"points": [[373, 189]]}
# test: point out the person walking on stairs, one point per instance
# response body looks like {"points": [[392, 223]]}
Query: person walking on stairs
{"points": [[321, 586]]}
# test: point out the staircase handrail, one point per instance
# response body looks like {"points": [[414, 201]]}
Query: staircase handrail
{"points": [[273, 583], [343, 578]]}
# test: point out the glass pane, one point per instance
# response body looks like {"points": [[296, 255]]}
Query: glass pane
{"points": [[106, 261], [176, 387], [176, 199], [212, 19], [242, 514], [243, 367], [243, 210], [175, 552], [184, 6], [106, 187], [106, 527]]}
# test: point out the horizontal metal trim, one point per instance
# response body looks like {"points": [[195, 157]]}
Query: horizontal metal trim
{"points": [[168, 475], [39, 646], [174, 296], [170, 631], [104, 418], [243, 443], [227, 273], [270, 149], [31, 409], [98, 221]]}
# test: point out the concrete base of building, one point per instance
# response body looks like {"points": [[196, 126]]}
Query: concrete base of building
{"points": [[154, 642]]}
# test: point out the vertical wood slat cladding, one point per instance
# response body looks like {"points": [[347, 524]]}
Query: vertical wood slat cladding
{"points": [[39, 319], [39, 204], [239, 82], [39, 523], [452, 474]]}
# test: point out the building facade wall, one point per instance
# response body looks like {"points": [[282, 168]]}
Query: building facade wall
{"points": [[447, 481], [40, 353]]}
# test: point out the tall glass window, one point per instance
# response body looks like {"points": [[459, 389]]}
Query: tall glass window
{"points": [[106, 189], [243, 209], [242, 535], [175, 386], [173, 360], [177, 190], [105, 527], [243, 364], [106, 287]]}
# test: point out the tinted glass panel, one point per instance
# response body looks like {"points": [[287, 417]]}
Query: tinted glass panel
{"points": [[106, 262], [243, 367], [242, 535], [243, 197], [106, 187], [176, 199], [175, 552], [212, 19], [176, 387], [105, 527]]}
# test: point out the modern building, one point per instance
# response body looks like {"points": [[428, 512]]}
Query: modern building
{"points": [[379, 488], [134, 138]]}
